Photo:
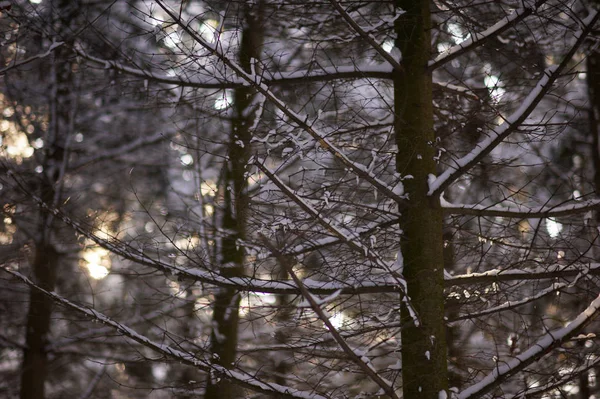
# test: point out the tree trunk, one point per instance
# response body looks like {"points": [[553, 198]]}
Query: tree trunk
{"points": [[224, 335], [35, 359], [424, 371], [47, 258]]}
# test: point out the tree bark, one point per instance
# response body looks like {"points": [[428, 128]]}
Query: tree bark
{"points": [[424, 371], [46, 259], [224, 335]]}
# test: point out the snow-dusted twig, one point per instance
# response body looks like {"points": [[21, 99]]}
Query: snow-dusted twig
{"points": [[479, 38], [347, 237], [544, 345], [367, 37], [103, 331], [301, 120], [310, 245], [538, 392], [235, 375], [270, 78], [124, 149], [521, 211], [247, 284], [39, 56], [512, 122], [322, 314], [497, 275], [508, 305]]}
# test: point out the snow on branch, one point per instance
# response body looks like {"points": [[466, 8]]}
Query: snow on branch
{"points": [[367, 37], [236, 375], [537, 392], [479, 38], [247, 284], [311, 246], [270, 78], [361, 361], [507, 368], [86, 335], [513, 121], [496, 275], [508, 305], [346, 236], [301, 120], [520, 211]]}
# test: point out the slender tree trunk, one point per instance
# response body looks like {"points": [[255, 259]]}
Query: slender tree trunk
{"points": [[224, 336], [424, 371], [35, 358], [47, 259]]}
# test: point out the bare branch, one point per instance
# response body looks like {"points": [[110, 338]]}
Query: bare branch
{"points": [[543, 346], [367, 37], [235, 375], [514, 121], [358, 360], [300, 120], [39, 56]]}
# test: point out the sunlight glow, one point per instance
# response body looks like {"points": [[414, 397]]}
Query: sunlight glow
{"points": [[187, 159], [208, 30], [96, 261], [225, 100], [494, 86], [337, 320], [208, 187], [388, 45], [553, 227]]}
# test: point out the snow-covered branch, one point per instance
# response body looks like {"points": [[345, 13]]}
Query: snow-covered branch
{"points": [[514, 121], [206, 275], [301, 120], [537, 392], [544, 345], [511, 304], [479, 38], [346, 236], [497, 275], [271, 79], [200, 81], [235, 375], [520, 211], [361, 361], [367, 37]]}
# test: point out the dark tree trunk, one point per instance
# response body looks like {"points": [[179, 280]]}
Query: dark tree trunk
{"points": [[224, 335], [424, 371]]}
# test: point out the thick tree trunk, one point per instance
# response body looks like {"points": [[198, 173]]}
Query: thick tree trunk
{"points": [[424, 371], [224, 336]]}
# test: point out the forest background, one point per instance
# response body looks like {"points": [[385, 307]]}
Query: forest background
{"points": [[299, 199]]}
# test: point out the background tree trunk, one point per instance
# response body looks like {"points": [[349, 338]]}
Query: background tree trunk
{"points": [[47, 258], [224, 335]]}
